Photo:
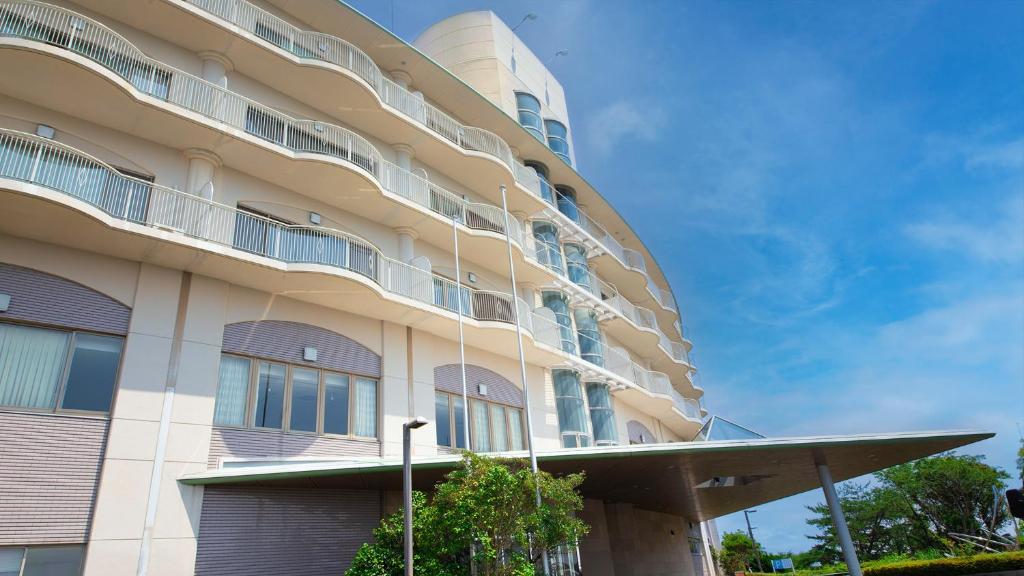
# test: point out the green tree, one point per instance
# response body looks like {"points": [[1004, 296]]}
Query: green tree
{"points": [[738, 552], [1020, 460], [878, 519], [483, 513]]}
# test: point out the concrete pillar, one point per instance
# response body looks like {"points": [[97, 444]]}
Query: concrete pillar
{"points": [[215, 68], [403, 156], [407, 244], [202, 172], [838, 520]]}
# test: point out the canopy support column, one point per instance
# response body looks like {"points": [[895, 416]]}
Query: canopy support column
{"points": [[838, 520]]}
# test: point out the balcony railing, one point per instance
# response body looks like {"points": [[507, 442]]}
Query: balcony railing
{"points": [[66, 29], [323, 47]]}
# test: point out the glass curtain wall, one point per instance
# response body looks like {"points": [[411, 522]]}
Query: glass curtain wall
{"points": [[591, 344], [577, 267], [549, 251], [559, 304], [602, 415], [572, 412]]}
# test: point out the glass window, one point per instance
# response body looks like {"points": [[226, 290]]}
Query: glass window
{"points": [[305, 389], [549, 252], [336, 391], [232, 391], [529, 114], [515, 429], [591, 345], [559, 304], [569, 403], [499, 428], [366, 408], [567, 203], [53, 561], [459, 419], [269, 411], [558, 139], [602, 416], [31, 363], [578, 267], [10, 561], [481, 426], [443, 419], [546, 191], [93, 372]]}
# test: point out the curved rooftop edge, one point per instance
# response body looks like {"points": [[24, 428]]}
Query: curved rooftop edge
{"points": [[462, 85]]}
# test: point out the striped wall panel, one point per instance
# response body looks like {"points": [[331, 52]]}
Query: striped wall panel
{"points": [[47, 299], [448, 378], [238, 443], [284, 341], [261, 530], [49, 469]]}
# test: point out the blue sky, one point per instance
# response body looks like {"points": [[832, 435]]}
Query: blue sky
{"points": [[835, 191]]}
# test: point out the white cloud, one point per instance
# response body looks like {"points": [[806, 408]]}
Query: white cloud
{"points": [[1008, 156], [619, 123], [999, 241]]}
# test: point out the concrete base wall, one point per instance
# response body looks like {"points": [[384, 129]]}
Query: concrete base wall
{"points": [[625, 541]]}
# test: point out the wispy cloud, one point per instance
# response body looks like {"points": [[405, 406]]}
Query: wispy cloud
{"points": [[998, 241], [621, 123]]}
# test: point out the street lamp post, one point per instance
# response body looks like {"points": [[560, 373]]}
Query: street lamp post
{"points": [[407, 429], [750, 531]]}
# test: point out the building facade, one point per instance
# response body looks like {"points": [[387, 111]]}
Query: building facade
{"points": [[228, 236]]}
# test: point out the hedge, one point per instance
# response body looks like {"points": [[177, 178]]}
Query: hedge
{"points": [[966, 565]]}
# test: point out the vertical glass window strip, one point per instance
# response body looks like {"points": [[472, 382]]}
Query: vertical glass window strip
{"points": [[232, 391], [549, 252], [336, 403], [459, 416], [10, 561], [566, 198], [93, 373], [269, 410], [591, 345], [571, 410], [31, 362], [559, 304], [366, 408], [529, 114], [481, 427], [515, 429], [602, 416], [499, 428], [546, 191], [443, 419], [304, 399], [578, 268], [558, 139]]}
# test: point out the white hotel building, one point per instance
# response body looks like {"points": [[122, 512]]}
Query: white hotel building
{"points": [[228, 277]]}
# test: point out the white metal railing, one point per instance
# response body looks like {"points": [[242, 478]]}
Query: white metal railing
{"points": [[687, 406], [52, 165], [61, 27], [318, 46]]}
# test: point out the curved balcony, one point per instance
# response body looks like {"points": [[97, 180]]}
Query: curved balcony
{"points": [[173, 216], [309, 46]]}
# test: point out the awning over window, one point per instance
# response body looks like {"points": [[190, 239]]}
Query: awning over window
{"points": [[696, 480]]}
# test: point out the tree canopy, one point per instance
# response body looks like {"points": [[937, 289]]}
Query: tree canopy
{"points": [[483, 513]]}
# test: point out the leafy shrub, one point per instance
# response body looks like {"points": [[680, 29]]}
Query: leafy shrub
{"points": [[980, 564]]}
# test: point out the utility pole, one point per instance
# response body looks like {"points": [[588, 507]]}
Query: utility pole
{"points": [[750, 531]]}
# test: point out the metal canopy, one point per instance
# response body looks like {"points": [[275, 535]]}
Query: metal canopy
{"points": [[695, 480]]}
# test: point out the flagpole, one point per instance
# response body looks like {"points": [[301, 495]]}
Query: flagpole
{"points": [[522, 364], [462, 340]]}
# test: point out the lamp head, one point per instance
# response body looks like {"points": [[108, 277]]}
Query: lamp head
{"points": [[417, 422]]}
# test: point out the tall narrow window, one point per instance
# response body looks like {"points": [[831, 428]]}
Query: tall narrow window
{"points": [[549, 252], [459, 420], [232, 391], [499, 428], [443, 419], [602, 416], [559, 304], [366, 407], [591, 345], [336, 393], [31, 362], [546, 191], [304, 396], [578, 267], [515, 429], [558, 139], [567, 202], [572, 418], [529, 114], [481, 426], [269, 411]]}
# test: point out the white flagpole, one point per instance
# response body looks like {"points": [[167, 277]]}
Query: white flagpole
{"points": [[522, 362], [462, 341]]}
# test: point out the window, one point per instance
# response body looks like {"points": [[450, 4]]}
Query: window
{"points": [[41, 561], [572, 418], [602, 416], [294, 398], [567, 202], [549, 252], [546, 192], [49, 369], [578, 267], [559, 304], [591, 344], [493, 427], [558, 139], [529, 114]]}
